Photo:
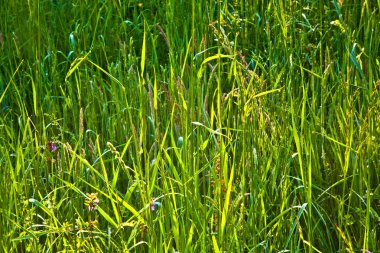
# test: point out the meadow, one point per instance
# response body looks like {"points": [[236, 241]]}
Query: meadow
{"points": [[190, 126]]}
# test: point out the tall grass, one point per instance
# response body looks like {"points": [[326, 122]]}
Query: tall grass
{"points": [[189, 126]]}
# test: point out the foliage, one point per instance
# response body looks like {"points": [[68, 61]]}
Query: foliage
{"points": [[189, 126]]}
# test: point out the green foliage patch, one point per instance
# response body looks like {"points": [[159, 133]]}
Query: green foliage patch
{"points": [[189, 126]]}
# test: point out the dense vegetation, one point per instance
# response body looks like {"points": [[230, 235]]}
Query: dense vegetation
{"points": [[190, 126]]}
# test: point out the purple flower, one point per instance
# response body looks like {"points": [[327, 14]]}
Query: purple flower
{"points": [[153, 205], [92, 201], [93, 205], [51, 146]]}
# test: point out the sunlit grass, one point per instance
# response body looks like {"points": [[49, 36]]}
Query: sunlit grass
{"points": [[189, 126]]}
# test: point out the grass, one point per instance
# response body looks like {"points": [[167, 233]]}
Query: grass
{"points": [[190, 126]]}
